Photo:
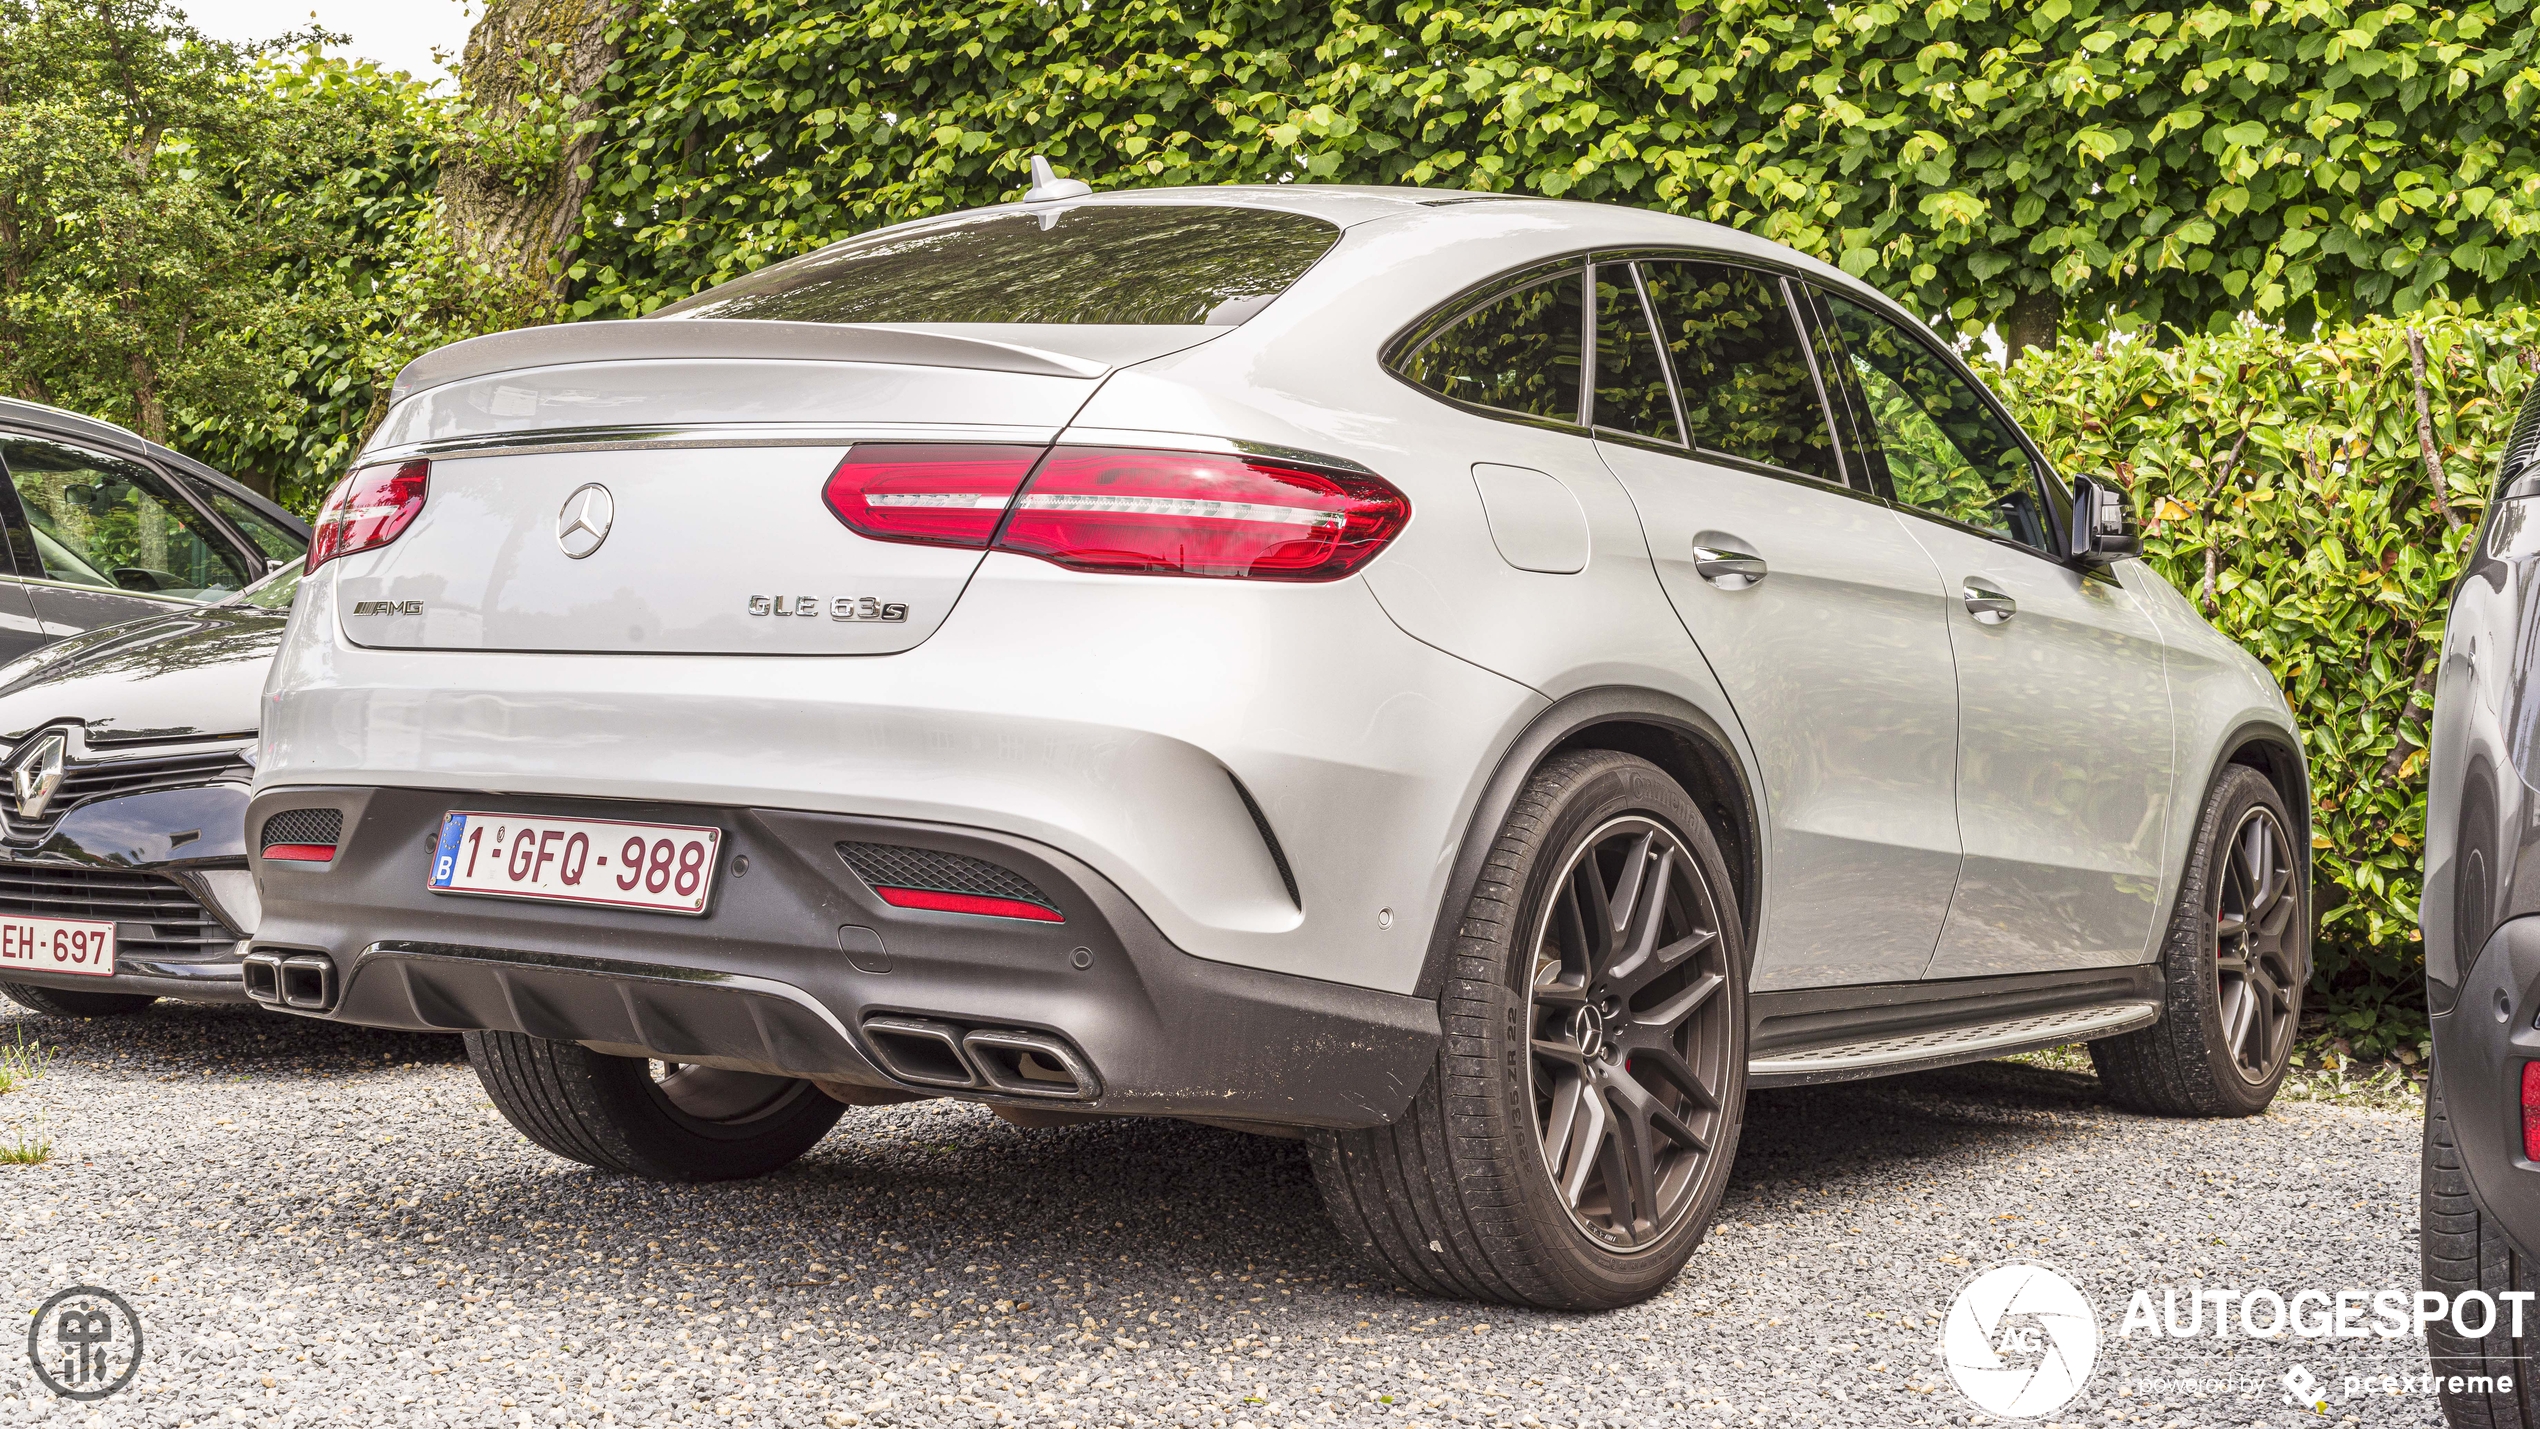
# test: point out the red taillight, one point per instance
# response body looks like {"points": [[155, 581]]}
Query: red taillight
{"points": [[301, 853], [1201, 514], [368, 509], [933, 495], [968, 903], [2531, 1111]]}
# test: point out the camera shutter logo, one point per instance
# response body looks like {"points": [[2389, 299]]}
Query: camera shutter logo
{"points": [[85, 1343], [2020, 1341]]}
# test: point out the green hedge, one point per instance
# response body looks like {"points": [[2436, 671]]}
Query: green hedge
{"points": [[2284, 486]]}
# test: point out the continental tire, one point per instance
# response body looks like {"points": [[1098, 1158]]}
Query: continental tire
{"points": [[2232, 966], [2462, 1250], [1596, 1005], [678, 1123], [72, 1002]]}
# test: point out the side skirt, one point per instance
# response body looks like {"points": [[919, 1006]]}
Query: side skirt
{"points": [[1839, 1034]]}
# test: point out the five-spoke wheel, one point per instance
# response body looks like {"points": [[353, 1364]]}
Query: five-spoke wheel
{"points": [[2255, 949]]}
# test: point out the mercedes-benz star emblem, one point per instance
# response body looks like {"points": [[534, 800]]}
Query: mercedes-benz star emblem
{"points": [[584, 522], [37, 774]]}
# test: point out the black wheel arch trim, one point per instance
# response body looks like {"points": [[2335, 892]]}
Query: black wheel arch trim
{"points": [[1573, 722], [2290, 772]]}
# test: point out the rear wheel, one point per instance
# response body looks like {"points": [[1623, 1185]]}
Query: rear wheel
{"points": [[2232, 967], [2461, 1250], [72, 1002], [1574, 1138], [660, 1120]]}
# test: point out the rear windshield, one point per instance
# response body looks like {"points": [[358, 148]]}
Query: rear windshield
{"points": [[1181, 264]]}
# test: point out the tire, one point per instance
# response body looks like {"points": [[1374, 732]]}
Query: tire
{"points": [[2462, 1250], [2239, 906], [71, 1002], [1458, 1197], [694, 1124]]}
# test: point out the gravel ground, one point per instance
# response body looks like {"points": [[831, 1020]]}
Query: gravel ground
{"points": [[322, 1225]]}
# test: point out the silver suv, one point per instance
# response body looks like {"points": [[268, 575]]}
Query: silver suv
{"points": [[1475, 682]]}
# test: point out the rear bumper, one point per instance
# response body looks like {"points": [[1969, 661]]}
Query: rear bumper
{"points": [[767, 981], [2480, 1047]]}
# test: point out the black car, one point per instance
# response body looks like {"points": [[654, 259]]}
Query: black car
{"points": [[101, 526], [123, 802], [2481, 924]]}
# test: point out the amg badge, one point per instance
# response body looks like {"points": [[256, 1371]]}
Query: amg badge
{"points": [[843, 607], [388, 607]]}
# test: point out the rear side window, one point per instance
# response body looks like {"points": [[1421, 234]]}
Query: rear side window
{"points": [[1131, 263], [1518, 353], [1748, 391]]}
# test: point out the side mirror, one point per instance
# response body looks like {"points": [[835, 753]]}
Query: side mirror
{"points": [[2103, 531]]}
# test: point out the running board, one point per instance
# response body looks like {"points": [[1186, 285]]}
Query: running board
{"points": [[1888, 1056]]}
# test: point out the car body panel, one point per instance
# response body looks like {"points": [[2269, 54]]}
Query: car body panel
{"points": [[2064, 770]]}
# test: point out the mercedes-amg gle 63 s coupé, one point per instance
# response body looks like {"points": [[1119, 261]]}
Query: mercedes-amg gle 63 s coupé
{"points": [[1475, 682]]}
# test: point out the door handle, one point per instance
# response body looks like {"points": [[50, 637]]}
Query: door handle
{"points": [[1727, 567], [1988, 605]]}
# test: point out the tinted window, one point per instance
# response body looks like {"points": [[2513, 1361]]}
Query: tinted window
{"points": [[1631, 384], [102, 521], [1518, 353], [1159, 263], [1946, 451], [274, 592], [270, 537], [1745, 379]]}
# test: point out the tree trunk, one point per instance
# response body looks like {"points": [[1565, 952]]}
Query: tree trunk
{"points": [[2032, 321], [510, 208]]}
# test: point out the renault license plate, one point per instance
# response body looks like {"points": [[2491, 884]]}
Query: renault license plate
{"points": [[661, 868], [57, 945]]}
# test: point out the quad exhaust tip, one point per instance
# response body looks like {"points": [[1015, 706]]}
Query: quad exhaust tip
{"points": [[303, 982], [1011, 1061]]}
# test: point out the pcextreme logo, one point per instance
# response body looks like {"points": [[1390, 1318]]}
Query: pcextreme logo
{"points": [[2020, 1341]]}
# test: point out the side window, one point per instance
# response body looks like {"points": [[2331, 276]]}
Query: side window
{"points": [[102, 521], [1747, 388], [1517, 353], [1631, 383], [275, 541], [1946, 451]]}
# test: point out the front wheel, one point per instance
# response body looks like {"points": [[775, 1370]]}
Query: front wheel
{"points": [[1573, 1140], [74, 1002], [2232, 966], [641, 1118]]}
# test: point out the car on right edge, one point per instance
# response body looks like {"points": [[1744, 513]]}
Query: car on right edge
{"points": [[2481, 1216], [1475, 682]]}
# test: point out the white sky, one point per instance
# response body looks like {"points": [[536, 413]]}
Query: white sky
{"points": [[398, 34]]}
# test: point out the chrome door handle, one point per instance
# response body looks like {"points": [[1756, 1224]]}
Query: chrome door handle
{"points": [[1987, 605], [1726, 568]]}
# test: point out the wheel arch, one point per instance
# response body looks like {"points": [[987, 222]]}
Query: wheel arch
{"points": [[2276, 753], [1690, 746]]}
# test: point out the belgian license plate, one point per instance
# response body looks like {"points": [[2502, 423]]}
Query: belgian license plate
{"points": [[663, 868], [57, 945]]}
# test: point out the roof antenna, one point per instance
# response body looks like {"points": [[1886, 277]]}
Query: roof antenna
{"points": [[1048, 187]]}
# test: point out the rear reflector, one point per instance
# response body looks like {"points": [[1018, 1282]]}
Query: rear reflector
{"points": [[1201, 514], [368, 509], [931, 494], [941, 902], [301, 853], [2531, 1111]]}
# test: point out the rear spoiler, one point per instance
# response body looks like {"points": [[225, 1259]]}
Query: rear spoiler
{"points": [[1090, 350]]}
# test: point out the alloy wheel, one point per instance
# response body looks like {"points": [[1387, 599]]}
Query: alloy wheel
{"points": [[1628, 1033], [2256, 981]]}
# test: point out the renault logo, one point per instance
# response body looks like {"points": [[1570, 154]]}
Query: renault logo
{"points": [[584, 522], [37, 774]]}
